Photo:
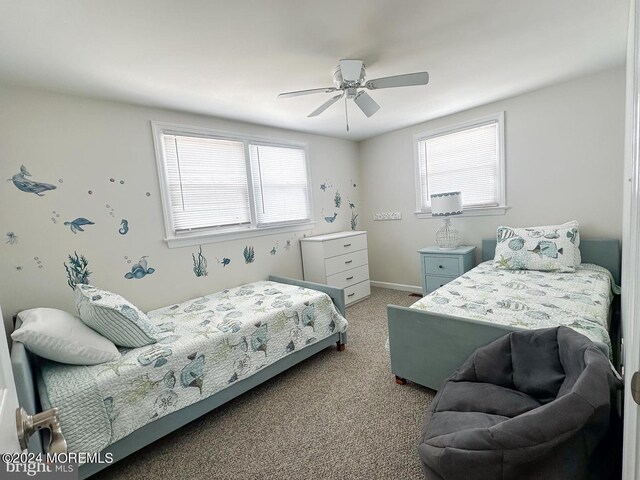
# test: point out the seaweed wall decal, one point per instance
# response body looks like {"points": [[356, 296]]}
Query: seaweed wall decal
{"points": [[199, 264], [337, 200], [354, 220], [77, 270]]}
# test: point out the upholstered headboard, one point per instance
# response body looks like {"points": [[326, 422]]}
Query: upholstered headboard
{"points": [[604, 252]]}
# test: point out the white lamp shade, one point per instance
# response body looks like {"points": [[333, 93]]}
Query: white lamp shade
{"points": [[446, 204]]}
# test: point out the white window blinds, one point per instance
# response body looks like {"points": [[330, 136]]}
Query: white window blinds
{"points": [[463, 159], [207, 182], [280, 184]]}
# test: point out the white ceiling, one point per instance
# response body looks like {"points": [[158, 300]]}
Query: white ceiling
{"points": [[231, 58]]}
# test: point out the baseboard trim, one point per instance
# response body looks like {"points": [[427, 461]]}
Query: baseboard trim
{"points": [[397, 286]]}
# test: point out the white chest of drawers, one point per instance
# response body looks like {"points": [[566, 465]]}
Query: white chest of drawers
{"points": [[340, 260]]}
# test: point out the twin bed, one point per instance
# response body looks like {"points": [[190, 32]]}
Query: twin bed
{"points": [[433, 337], [212, 349]]}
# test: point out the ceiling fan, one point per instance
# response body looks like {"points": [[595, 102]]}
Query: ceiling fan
{"points": [[349, 79]]}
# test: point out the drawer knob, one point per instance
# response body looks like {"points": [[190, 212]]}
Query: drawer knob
{"points": [[351, 294], [350, 278], [348, 262], [347, 245]]}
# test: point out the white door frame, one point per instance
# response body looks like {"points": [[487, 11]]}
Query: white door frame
{"points": [[631, 247]]}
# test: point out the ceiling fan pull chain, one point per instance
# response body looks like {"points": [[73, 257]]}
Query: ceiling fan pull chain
{"points": [[346, 112]]}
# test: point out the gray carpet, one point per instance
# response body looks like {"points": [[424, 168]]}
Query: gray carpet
{"points": [[337, 415]]}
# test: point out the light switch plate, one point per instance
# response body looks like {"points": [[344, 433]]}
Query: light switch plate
{"points": [[387, 216]]}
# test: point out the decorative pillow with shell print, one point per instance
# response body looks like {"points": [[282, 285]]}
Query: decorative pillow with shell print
{"points": [[552, 248]]}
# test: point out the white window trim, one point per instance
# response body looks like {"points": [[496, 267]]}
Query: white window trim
{"points": [[499, 209], [227, 233]]}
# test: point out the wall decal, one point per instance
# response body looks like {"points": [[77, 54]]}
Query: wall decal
{"points": [[127, 259], [55, 216], [331, 219], [29, 186], [148, 194], [274, 249], [249, 254], [77, 270], [139, 270], [124, 227], [110, 208], [77, 224], [325, 185], [354, 221], [112, 180], [19, 268], [224, 262], [337, 200], [38, 262], [12, 238], [199, 264], [287, 245], [90, 192], [351, 205], [60, 180]]}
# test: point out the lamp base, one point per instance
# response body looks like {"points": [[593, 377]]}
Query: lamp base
{"points": [[447, 238]]}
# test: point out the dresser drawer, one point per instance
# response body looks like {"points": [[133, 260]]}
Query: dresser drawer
{"points": [[342, 263], [349, 277], [340, 246], [434, 282], [357, 292], [441, 265]]}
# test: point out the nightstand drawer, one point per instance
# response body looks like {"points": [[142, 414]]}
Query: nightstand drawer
{"points": [[349, 277], [340, 246], [357, 292], [433, 283], [441, 265], [341, 263]]}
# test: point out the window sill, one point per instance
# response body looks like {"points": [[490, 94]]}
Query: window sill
{"points": [[189, 240], [471, 212]]}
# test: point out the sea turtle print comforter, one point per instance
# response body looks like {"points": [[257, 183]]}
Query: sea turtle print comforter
{"points": [[530, 299], [208, 344]]}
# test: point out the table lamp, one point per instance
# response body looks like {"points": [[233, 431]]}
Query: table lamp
{"points": [[446, 205]]}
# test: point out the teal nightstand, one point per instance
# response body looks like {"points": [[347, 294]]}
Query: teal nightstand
{"points": [[440, 266]]}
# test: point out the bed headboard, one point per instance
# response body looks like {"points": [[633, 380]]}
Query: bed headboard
{"points": [[604, 252]]}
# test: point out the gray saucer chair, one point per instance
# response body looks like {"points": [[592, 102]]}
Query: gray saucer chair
{"points": [[531, 405]]}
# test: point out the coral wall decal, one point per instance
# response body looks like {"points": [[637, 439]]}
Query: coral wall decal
{"points": [[337, 200], [77, 270], [199, 264], [139, 270], [249, 254], [29, 186]]}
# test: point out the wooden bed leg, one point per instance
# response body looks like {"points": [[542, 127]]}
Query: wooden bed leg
{"points": [[401, 381], [341, 346]]}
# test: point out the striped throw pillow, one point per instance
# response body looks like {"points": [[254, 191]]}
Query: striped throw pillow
{"points": [[114, 317]]}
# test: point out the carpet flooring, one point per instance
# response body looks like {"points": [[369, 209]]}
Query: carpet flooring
{"points": [[337, 415]]}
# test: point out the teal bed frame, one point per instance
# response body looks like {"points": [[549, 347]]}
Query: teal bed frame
{"points": [[426, 348], [24, 364]]}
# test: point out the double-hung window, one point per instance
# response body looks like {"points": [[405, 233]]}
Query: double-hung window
{"points": [[467, 157], [219, 186]]}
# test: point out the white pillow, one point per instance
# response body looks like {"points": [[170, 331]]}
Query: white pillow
{"points": [[546, 248], [62, 337]]}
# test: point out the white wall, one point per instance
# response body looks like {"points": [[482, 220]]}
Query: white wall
{"points": [[79, 144], [564, 160]]}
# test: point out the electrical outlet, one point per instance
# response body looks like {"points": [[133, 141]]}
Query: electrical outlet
{"points": [[387, 216]]}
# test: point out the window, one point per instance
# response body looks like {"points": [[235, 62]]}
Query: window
{"points": [[467, 157], [217, 184]]}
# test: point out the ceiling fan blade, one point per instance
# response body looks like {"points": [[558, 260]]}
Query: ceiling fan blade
{"points": [[325, 105], [350, 70], [367, 104], [307, 92], [407, 80]]}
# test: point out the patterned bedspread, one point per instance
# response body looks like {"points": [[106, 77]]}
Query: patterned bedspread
{"points": [[208, 344], [530, 299]]}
